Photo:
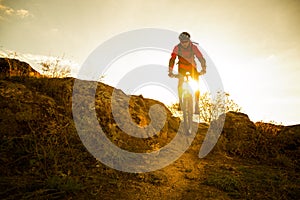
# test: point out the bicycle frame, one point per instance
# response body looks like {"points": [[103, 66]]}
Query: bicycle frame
{"points": [[186, 101]]}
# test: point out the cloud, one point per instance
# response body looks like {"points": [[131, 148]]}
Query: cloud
{"points": [[22, 13], [2, 7]]}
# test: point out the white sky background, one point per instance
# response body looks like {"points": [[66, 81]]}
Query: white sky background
{"points": [[254, 44]]}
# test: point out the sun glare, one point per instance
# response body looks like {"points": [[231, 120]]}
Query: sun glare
{"points": [[194, 85]]}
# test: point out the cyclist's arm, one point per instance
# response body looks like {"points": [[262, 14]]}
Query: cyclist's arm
{"points": [[203, 63], [173, 58], [200, 58]]}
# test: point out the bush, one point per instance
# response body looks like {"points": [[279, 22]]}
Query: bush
{"points": [[212, 108]]}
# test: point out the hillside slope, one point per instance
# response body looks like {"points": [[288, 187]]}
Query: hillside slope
{"points": [[14, 67], [42, 156]]}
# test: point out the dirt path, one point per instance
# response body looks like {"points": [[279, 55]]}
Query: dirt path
{"points": [[180, 180]]}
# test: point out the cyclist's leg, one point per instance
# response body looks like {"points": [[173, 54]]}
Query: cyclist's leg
{"points": [[180, 81], [181, 71], [197, 93], [197, 96]]}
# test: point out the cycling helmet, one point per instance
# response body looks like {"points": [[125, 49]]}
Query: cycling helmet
{"points": [[184, 36]]}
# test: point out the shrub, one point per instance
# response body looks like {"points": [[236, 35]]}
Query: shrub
{"points": [[211, 108]]}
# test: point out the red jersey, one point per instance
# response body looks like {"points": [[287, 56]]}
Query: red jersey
{"points": [[186, 56]]}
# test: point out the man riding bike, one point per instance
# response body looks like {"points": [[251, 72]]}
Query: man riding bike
{"points": [[186, 52]]}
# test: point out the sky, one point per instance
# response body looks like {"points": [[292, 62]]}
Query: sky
{"points": [[255, 45]]}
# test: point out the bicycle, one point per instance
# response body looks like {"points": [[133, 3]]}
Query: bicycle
{"points": [[186, 100]]}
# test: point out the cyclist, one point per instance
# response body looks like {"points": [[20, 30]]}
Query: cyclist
{"points": [[186, 52]]}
